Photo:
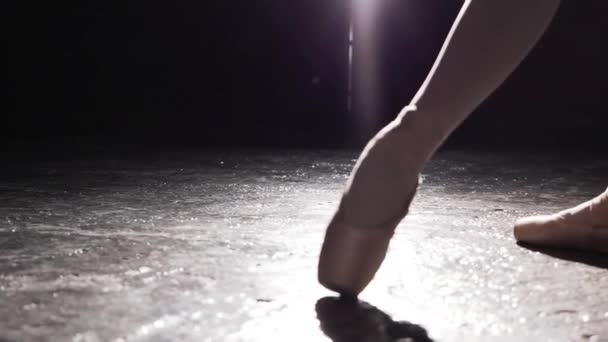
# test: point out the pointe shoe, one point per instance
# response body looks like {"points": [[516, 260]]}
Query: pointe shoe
{"points": [[584, 227], [351, 255]]}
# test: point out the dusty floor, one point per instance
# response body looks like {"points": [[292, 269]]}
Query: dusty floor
{"points": [[222, 246]]}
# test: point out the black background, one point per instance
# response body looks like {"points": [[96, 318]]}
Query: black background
{"points": [[274, 73]]}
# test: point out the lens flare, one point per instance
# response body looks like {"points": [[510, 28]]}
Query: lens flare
{"points": [[363, 61]]}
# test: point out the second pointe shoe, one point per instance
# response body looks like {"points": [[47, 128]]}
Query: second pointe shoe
{"points": [[351, 255], [584, 227]]}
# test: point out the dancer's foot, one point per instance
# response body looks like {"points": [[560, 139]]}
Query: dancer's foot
{"points": [[584, 227], [351, 255]]}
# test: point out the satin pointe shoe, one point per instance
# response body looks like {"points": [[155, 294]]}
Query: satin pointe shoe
{"points": [[584, 227], [351, 255]]}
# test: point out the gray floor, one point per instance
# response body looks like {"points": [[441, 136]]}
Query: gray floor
{"points": [[222, 246]]}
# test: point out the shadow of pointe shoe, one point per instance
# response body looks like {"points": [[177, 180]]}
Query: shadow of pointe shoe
{"points": [[589, 258], [351, 320]]}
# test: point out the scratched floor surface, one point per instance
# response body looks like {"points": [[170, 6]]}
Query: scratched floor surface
{"points": [[223, 245]]}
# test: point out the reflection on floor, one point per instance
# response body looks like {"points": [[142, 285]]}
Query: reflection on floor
{"points": [[222, 246]]}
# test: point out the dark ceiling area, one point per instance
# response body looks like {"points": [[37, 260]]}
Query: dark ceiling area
{"points": [[275, 73]]}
